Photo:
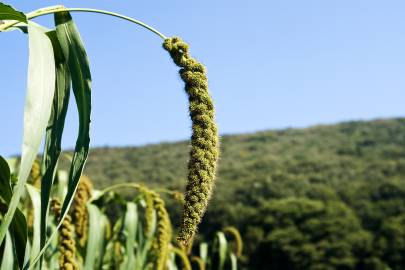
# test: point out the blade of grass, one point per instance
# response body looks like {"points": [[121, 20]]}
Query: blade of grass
{"points": [[130, 229], [234, 261], [5, 188], [18, 227], [204, 252], [36, 206], [9, 13], [222, 246], [75, 54], [96, 235], [54, 131], [8, 255], [41, 80]]}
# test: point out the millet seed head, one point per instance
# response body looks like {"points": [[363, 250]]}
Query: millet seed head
{"points": [[204, 150]]}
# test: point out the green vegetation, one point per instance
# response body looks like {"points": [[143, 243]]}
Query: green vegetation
{"points": [[137, 236], [58, 63], [326, 197], [322, 198]]}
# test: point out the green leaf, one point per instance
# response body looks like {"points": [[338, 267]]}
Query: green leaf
{"points": [[204, 252], [77, 61], [130, 229], [36, 207], [18, 225], [40, 89], [53, 137], [234, 261], [8, 255], [222, 246], [75, 53], [18, 230], [5, 188], [9, 13], [96, 237]]}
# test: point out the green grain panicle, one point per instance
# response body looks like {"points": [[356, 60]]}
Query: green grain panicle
{"points": [[163, 232], [80, 216], [67, 245], [204, 140]]}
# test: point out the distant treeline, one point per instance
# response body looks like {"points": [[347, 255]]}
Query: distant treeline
{"points": [[321, 198]]}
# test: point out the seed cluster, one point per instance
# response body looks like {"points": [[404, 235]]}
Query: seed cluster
{"points": [[149, 213], [204, 140], [35, 180], [35, 174], [67, 247], [80, 215], [160, 247]]}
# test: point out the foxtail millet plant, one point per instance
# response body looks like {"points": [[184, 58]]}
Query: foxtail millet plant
{"points": [[67, 245], [204, 150], [80, 215], [49, 120]]}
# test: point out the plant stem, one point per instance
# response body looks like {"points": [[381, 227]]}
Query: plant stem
{"points": [[127, 185], [55, 9]]}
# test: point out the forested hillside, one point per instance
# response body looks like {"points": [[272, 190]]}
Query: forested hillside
{"points": [[325, 197]]}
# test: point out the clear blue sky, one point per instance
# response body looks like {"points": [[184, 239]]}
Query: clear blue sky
{"points": [[272, 64]]}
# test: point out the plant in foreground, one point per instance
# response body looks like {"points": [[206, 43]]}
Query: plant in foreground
{"points": [[58, 61]]}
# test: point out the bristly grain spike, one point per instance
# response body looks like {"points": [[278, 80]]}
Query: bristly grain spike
{"points": [[204, 140]]}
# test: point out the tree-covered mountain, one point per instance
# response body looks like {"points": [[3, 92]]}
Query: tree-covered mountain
{"points": [[325, 197]]}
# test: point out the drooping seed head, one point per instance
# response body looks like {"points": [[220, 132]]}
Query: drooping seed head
{"points": [[67, 245], [80, 215], [160, 248], [204, 140]]}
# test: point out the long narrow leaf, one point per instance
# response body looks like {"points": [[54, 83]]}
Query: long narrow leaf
{"points": [[18, 226], [8, 255], [41, 80], [36, 206], [5, 188], [96, 234], [222, 249], [234, 261], [54, 131], [130, 228], [9, 13], [75, 53], [76, 57]]}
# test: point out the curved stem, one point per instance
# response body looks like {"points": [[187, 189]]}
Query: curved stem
{"points": [[113, 187], [55, 9], [128, 185]]}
